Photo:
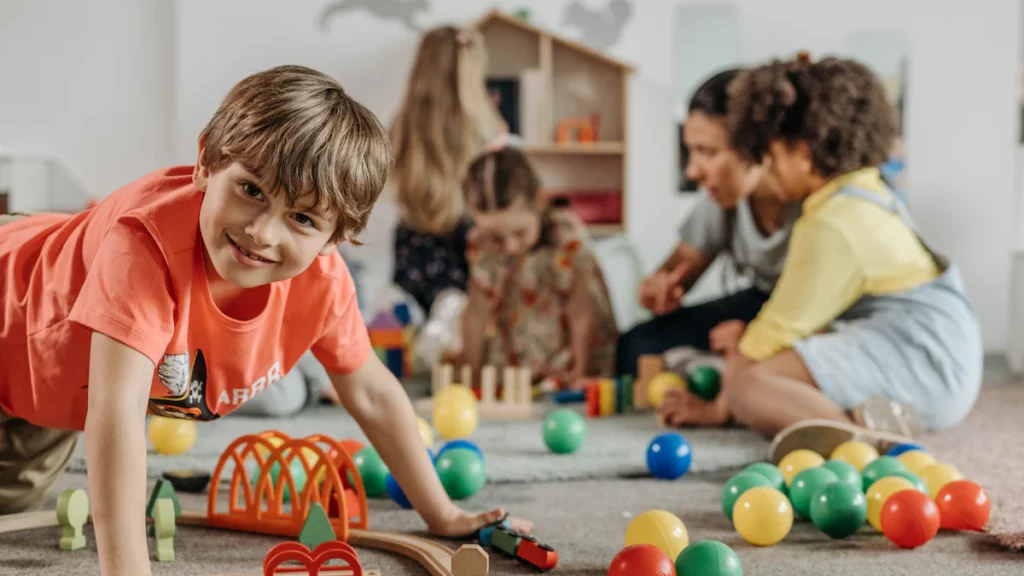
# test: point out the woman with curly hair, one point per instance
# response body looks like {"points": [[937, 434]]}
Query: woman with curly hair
{"points": [[868, 333]]}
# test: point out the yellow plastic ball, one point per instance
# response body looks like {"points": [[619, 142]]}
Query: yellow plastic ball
{"points": [[855, 453], [660, 529], [171, 436], [938, 475], [763, 516], [797, 461], [880, 492], [426, 432], [916, 460], [662, 383], [455, 412]]}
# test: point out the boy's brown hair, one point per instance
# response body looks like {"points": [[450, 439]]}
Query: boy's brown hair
{"points": [[836, 106], [298, 131]]}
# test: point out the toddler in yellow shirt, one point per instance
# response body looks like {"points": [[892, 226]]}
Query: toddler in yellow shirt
{"points": [[867, 327]]}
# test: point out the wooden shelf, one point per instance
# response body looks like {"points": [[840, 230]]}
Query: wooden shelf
{"points": [[600, 230], [595, 148]]}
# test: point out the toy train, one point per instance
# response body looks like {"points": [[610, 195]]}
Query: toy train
{"points": [[521, 547]]}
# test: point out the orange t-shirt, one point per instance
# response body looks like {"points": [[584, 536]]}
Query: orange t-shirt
{"points": [[133, 269]]}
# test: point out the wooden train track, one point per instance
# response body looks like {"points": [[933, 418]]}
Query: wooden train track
{"points": [[437, 559]]}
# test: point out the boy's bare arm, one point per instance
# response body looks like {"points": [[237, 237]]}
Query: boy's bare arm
{"points": [[115, 444], [377, 401]]}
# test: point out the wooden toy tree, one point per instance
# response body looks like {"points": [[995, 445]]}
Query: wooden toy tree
{"points": [[72, 512]]}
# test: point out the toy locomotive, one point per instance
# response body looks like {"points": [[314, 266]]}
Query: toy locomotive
{"points": [[521, 547]]}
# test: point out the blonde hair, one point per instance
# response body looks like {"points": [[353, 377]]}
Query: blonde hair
{"points": [[298, 131], [445, 120]]}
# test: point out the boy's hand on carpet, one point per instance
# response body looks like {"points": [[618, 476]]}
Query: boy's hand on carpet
{"points": [[465, 524], [682, 408]]}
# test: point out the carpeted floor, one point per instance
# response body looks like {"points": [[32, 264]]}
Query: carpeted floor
{"points": [[585, 520]]}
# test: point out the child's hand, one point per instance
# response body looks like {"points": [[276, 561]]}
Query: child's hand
{"points": [[463, 524], [724, 339], [683, 408]]}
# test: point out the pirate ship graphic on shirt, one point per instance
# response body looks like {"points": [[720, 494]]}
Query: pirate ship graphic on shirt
{"points": [[187, 384]]}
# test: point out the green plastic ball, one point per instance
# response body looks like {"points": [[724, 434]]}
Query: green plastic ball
{"points": [[844, 471], [298, 476], [704, 381], [708, 558], [771, 472], [880, 468], [564, 431], [373, 472], [839, 509], [462, 473], [739, 484], [805, 485], [914, 479]]}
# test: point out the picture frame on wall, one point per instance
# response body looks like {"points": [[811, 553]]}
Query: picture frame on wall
{"points": [[504, 92]]}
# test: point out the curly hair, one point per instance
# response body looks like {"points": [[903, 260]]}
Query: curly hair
{"points": [[836, 106]]}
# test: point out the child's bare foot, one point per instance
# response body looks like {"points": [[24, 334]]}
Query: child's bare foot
{"points": [[682, 408]]}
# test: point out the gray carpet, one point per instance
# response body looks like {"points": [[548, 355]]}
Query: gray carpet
{"points": [[585, 520], [514, 451]]}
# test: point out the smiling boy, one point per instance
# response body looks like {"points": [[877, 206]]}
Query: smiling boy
{"points": [[187, 292]]}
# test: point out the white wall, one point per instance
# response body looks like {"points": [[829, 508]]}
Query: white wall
{"points": [[86, 82], [92, 85]]}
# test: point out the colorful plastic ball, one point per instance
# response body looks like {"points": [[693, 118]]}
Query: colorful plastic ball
{"points": [[455, 412], [705, 382], [708, 558], [462, 473], [903, 448], [739, 484], [426, 432], [910, 519], [937, 475], [798, 460], [763, 516], [660, 529], [669, 456], [805, 485], [641, 559], [912, 478], [963, 505], [839, 509], [468, 445], [171, 436], [564, 431], [880, 492], [845, 472], [772, 473], [298, 473], [662, 383], [916, 460], [883, 466], [857, 454], [396, 493], [373, 472]]}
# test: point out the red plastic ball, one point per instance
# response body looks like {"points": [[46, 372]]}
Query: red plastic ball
{"points": [[963, 505], [910, 519], [642, 560]]}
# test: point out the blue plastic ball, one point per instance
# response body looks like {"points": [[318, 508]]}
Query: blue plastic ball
{"points": [[460, 444], [905, 447], [396, 492], [669, 456]]}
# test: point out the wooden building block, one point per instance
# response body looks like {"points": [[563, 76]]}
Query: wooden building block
{"points": [[164, 529], [72, 512], [470, 560], [648, 366]]}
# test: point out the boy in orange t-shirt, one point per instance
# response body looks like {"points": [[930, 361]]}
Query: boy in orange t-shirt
{"points": [[187, 292]]}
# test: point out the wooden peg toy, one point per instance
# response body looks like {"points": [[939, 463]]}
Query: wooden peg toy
{"points": [[72, 512], [162, 489], [164, 529], [516, 397]]}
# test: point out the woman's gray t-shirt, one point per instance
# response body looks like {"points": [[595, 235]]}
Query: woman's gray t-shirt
{"points": [[710, 229]]}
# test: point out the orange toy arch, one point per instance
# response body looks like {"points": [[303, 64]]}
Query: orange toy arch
{"points": [[260, 506]]}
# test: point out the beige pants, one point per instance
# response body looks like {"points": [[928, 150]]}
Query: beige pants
{"points": [[31, 457]]}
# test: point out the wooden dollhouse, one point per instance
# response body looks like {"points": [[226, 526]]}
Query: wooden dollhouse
{"points": [[571, 112]]}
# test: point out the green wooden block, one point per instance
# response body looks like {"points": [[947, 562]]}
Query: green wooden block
{"points": [[162, 489], [165, 529], [72, 513], [317, 529], [626, 392]]}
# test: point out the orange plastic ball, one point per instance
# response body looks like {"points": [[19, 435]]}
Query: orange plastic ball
{"points": [[963, 505], [910, 519]]}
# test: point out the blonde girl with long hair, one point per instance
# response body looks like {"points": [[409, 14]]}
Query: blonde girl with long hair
{"points": [[446, 120]]}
